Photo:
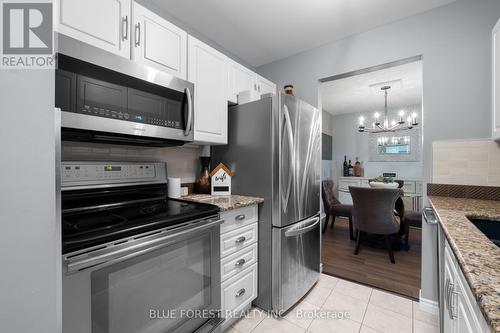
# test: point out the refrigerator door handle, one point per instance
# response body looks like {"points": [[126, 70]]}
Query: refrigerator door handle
{"points": [[295, 231], [290, 141]]}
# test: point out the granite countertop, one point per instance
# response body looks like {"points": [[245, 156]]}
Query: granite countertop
{"points": [[225, 202], [478, 257]]}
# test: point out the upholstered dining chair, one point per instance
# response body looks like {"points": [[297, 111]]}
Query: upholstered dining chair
{"points": [[333, 207], [373, 213]]}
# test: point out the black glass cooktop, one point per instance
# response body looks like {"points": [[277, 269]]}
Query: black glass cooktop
{"points": [[92, 217]]}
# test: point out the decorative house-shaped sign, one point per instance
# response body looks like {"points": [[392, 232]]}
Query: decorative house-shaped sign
{"points": [[221, 180]]}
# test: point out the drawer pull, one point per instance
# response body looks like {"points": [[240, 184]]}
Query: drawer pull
{"points": [[240, 217], [240, 263], [240, 240], [240, 292]]}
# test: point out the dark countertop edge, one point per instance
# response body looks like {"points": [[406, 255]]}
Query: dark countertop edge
{"points": [[493, 323]]}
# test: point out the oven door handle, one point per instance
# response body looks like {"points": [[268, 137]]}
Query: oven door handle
{"points": [[142, 246]]}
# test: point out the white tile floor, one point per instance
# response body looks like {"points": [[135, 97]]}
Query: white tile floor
{"points": [[370, 311]]}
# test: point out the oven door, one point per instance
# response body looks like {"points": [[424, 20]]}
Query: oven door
{"points": [[164, 282]]}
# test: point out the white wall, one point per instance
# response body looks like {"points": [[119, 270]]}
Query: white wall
{"points": [[182, 162], [454, 41], [30, 242]]}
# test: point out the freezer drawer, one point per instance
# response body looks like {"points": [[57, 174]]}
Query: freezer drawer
{"points": [[296, 252]]}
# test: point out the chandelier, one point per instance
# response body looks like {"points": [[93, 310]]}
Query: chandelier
{"points": [[385, 126]]}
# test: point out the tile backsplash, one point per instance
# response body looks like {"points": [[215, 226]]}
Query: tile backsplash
{"points": [[467, 162], [182, 162]]}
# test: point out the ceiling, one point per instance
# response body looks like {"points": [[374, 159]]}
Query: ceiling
{"points": [[361, 93], [262, 31]]}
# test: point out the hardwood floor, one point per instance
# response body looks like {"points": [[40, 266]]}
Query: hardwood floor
{"points": [[372, 266]]}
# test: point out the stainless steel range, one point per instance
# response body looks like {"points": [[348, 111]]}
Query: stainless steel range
{"points": [[133, 259]]}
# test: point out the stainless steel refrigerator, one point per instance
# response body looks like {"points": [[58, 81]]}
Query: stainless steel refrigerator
{"points": [[274, 150]]}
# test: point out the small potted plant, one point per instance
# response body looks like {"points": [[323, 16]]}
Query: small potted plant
{"points": [[383, 182]]}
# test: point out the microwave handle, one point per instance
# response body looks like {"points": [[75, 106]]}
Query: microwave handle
{"points": [[189, 123]]}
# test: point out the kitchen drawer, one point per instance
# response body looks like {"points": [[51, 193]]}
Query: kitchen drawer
{"points": [[345, 183], [239, 290], [237, 262], [410, 187], [235, 240], [237, 218]]}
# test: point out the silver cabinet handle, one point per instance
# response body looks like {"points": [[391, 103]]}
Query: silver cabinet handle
{"points": [[428, 214], [125, 28], [138, 34], [240, 217], [189, 123], [258, 87], [240, 292], [255, 86], [240, 240], [240, 263]]}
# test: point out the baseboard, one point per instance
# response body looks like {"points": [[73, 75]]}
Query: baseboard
{"points": [[428, 305]]}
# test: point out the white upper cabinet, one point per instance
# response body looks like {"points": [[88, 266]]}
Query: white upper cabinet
{"points": [[208, 70], [101, 23], [240, 79], [264, 86], [158, 43], [496, 82]]}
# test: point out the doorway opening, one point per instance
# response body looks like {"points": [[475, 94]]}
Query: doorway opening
{"points": [[372, 137]]}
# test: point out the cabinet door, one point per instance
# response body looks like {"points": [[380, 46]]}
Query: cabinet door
{"points": [[449, 280], [465, 317], [207, 69], [496, 82], [264, 86], [158, 43], [240, 79], [102, 23]]}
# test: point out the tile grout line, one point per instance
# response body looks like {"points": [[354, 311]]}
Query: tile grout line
{"points": [[366, 309], [413, 317]]}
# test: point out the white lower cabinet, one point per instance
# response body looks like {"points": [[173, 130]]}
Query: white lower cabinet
{"points": [[411, 188], [239, 261], [461, 314]]}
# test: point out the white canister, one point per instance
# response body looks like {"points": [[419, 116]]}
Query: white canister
{"points": [[174, 187]]}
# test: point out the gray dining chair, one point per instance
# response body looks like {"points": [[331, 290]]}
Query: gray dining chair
{"points": [[333, 207], [373, 213]]}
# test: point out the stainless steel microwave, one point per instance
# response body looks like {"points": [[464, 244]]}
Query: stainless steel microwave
{"points": [[107, 98]]}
